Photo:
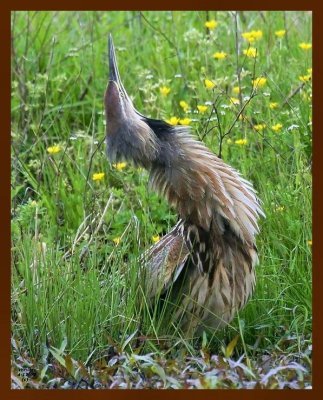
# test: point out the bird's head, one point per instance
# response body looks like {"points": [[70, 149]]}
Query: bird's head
{"points": [[128, 135]]}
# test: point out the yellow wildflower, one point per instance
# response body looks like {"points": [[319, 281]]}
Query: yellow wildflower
{"points": [[305, 78], [117, 240], [259, 82], [248, 37], [273, 105], [241, 142], [173, 121], [277, 127], [309, 242], [202, 108], [305, 46], [219, 55], [281, 33], [184, 105], [252, 36], [309, 70], [236, 89], [260, 127], [155, 238], [209, 84], [98, 176], [164, 90], [256, 34], [185, 121], [54, 149], [212, 24], [234, 100], [280, 208], [251, 52], [119, 166]]}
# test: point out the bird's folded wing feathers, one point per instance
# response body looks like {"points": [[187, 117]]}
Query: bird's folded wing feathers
{"points": [[164, 261]]}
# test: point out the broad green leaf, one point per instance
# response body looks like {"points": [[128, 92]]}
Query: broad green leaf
{"points": [[231, 346]]}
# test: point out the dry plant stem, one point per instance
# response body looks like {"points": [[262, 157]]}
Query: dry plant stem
{"points": [[237, 48], [286, 29], [253, 94], [101, 219], [207, 18], [79, 235], [172, 44], [293, 93], [90, 167], [121, 237]]}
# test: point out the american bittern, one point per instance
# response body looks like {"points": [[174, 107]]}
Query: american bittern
{"points": [[209, 257]]}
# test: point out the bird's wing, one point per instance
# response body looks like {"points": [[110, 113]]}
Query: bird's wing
{"points": [[164, 261], [203, 189]]}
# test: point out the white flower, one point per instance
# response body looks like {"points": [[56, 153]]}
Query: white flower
{"points": [[293, 127]]}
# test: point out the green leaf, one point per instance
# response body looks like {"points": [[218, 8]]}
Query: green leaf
{"points": [[56, 354], [128, 340], [157, 369], [69, 364], [231, 346]]}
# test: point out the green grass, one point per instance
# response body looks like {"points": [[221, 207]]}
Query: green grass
{"points": [[71, 283]]}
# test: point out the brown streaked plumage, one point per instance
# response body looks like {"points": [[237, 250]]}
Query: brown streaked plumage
{"points": [[207, 260]]}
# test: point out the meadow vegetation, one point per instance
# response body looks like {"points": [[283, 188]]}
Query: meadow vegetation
{"points": [[242, 82]]}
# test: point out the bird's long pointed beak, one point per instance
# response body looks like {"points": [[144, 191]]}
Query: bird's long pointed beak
{"points": [[113, 69], [113, 66]]}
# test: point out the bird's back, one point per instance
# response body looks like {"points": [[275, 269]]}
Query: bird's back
{"points": [[207, 261]]}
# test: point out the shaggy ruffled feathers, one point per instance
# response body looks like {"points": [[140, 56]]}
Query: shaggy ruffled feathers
{"points": [[207, 260], [204, 189]]}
